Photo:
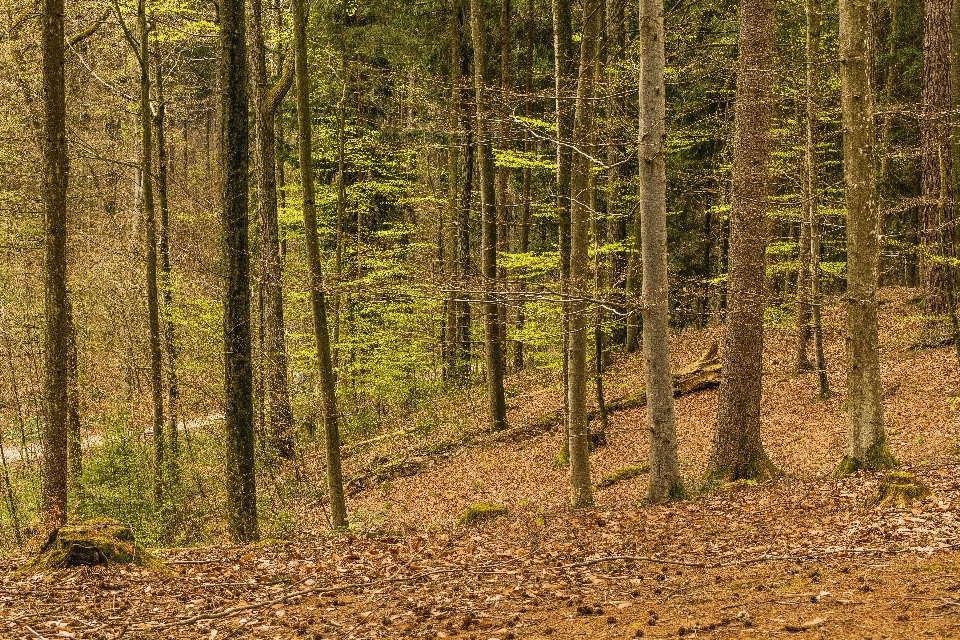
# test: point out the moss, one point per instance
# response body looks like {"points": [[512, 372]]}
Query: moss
{"points": [[482, 511], [898, 489], [877, 458], [622, 474], [97, 542], [563, 457], [758, 468]]}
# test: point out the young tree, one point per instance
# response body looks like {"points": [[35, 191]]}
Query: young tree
{"points": [[665, 480], [56, 328], [266, 100], [866, 441], [493, 359], [737, 450], [238, 375], [808, 288], [331, 416], [580, 215]]}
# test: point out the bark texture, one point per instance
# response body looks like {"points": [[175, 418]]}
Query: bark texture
{"points": [[664, 480], [866, 441], [737, 450], [238, 376]]}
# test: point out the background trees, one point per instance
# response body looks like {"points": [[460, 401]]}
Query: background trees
{"points": [[367, 262]]}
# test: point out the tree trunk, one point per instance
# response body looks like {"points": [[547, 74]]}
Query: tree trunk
{"points": [[811, 203], [665, 480], [580, 215], [616, 173], [518, 353], [502, 180], [464, 342], [563, 69], [737, 450], [936, 153], [266, 100], [496, 403], [453, 346], [866, 440], [74, 449], [338, 509], [153, 295], [238, 378], [166, 283]]}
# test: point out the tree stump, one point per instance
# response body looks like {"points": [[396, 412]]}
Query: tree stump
{"points": [[96, 543], [898, 489]]}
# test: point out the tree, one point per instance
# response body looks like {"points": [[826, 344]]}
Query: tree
{"points": [[808, 288], [866, 440], [493, 358], [56, 328], [737, 450], [266, 100], [238, 375], [580, 214], [149, 216], [331, 416], [936, 158], [665, 480]]}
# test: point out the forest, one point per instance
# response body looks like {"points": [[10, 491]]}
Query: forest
{"points": [[460, 318]]}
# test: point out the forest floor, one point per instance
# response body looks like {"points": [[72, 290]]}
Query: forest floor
{"points": [[796, 556]]}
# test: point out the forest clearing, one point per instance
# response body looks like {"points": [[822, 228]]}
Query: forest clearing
{"points": [[800, 554]]}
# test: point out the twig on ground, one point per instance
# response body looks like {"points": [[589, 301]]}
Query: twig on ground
{"points": [[33, 633]]}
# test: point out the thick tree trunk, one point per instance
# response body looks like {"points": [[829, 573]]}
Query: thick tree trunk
{"points": [[737, 448], [580, 215], [338, 510], [811, 203], [866, 440], [266, 100], [493, 359], [935, 153], [149, 215], [665, 480], [238, 377], [166, 283]]}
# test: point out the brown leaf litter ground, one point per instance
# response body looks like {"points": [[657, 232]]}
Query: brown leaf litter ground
{"points": [[798, 556]]}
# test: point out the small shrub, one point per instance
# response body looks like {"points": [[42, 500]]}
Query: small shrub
{"points": [[482, 511], [623, 474]]}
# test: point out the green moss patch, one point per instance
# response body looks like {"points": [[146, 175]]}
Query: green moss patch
{"points": [[898, 489], [623, 474], [98, 542], [482, 511]]}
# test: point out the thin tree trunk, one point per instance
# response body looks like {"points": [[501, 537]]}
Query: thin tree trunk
{"points": [[451, 355], [74, 449], [153, 295], [464, 342], [866, 441], [616, 174], [580, 215], [502, 179], [811, 188], [737, 450], [563, 70], [338, 509], [935, 152], [665, 480], [518, 353], [266, 101], [241, 479], [166, 283], [496, 402]]}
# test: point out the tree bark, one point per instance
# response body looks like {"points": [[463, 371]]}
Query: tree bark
{"points": [[338, 509], [866, 440], [616, 174], [496, 402], [463, 102], [737, 450], [935, 152], [149, 215], [580, 215], [266, 100], [518, 352], [665, 480], [238, 377]]}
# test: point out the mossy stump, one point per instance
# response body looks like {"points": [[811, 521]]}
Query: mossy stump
{"points": [[95, 543], [898, 489], [625, 473], [482, 511]]}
